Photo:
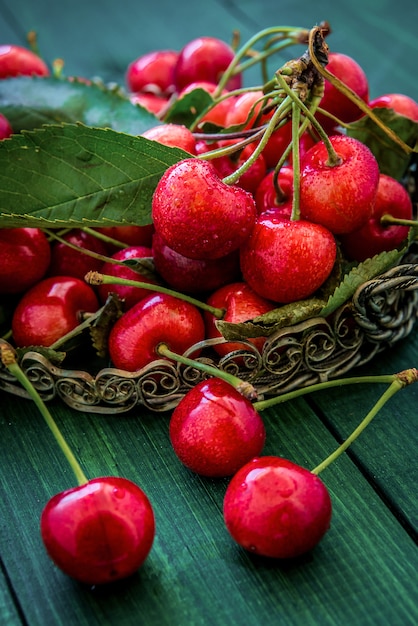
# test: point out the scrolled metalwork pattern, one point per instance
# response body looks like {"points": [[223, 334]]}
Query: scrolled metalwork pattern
{"points": [[386, 308], [381, 312]]}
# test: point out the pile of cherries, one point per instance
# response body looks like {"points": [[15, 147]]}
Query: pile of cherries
{"points": [[251, 220]]}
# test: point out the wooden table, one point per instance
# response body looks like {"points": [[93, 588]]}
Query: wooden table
{"points": [[364, 572]]}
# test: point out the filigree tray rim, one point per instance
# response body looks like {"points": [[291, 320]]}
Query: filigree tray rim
{"points": [[381, 312]]}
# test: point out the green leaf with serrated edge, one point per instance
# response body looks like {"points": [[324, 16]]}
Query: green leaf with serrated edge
{"points": [[285, 314], [53, 356], [185, 109], [102, 323], [392, 159], [31, 102], [368, 269], [144, 266], [269, 323], [71, 175]]}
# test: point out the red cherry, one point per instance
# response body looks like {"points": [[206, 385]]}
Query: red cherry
{"points": [[129, 235], [25, 255], [193, 276], [285, 260], [400, 103], [241, 303], [173, 135], [5, 128], [214, 429], [374, 237], [217, 114], [276, 508], [66, 261], [245, 110], [51, 309], [340, 197], [158, 318], [153, 72], [277, 144], [150, 101], [266, 195], [129, 295], [99, 532], [305, 143], [204, 59], [334, 101], [227, 165], [197, 214], [17, 61]]}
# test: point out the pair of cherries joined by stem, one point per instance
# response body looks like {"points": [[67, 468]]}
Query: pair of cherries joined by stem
{"points": [[272, 506], [103, 530]]}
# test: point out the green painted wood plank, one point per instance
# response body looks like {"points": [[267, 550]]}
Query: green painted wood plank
{"points": [[102, 38], [387, 449], [381, 36], [363, 572], [9, 614]]}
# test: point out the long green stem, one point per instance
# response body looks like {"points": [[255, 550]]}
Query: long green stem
{"points": [[105, 238], [387, 220], [9, 360], [295, 215], [96, 278], [363, 106], [396, 385], [244, 387], [261, 405], [291, 31], [86, 251], [333, 158], [271, 127]]}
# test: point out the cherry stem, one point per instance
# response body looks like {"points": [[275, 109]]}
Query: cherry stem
{"points": [[32, 39], [261, 57], [261, 405], [291, 32], [86, 251], [269, 130], [96, 278], [387, 220], [349, 93], [244, 387], [295, 215], [109, 240], [215, 101], [400, 380], [8, 358], [333, 158]]}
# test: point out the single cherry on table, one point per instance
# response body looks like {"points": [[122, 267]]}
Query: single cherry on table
{"points": [[100, 531]]}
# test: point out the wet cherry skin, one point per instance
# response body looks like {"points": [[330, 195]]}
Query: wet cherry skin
{"points": [[214, 429], [99, 532], [276, 508]]}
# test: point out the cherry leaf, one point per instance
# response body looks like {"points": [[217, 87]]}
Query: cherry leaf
{"points": [[31, 102], [392, 159], [53, 356], [102, 323], [72, 175], [188, 107], [268, 323], [144, 267], [359, 274]]}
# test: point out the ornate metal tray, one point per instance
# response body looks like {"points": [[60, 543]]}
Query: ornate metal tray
{"points": [[381, 312]]}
